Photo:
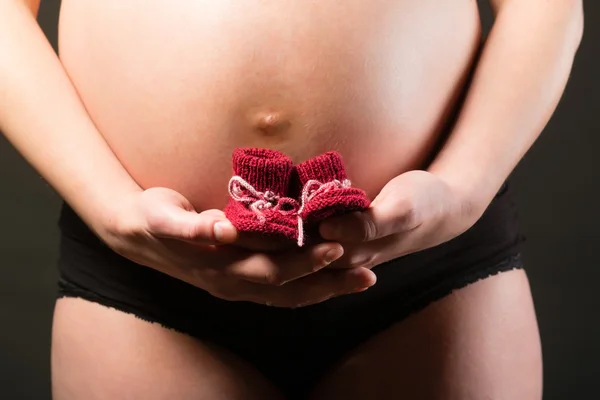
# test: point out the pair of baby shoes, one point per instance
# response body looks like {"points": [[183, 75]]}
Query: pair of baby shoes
{"points": [[269, 195]]}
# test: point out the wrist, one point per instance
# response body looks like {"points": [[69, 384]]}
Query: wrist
{"points": [[104, 212], [472, 194]]}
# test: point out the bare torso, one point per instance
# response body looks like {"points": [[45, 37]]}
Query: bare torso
{"points": [[175, 86]]}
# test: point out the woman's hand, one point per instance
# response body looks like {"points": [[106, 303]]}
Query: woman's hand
{"points": [[160, 229], [414, 211]]}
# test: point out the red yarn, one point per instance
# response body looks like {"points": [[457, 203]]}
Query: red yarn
{"points": [[259, 188], [337, 197]]}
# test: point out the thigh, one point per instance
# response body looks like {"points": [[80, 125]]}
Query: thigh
{"points": [[480, 342], [99, 353]]}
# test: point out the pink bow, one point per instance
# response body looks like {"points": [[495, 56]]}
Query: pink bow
{"points": [[259, 201]]}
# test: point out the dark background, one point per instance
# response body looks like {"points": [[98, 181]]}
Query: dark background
{"points": [[558, 188]]}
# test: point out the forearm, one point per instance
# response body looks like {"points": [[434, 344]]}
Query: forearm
{"points": [[518, 82], [43, 117]]}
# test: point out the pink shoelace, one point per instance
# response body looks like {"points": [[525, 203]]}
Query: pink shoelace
{"points": [[257, 201]]}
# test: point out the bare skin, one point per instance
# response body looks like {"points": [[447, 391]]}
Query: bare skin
{"points": [[480, 342], [194, 81], [108, 354]]}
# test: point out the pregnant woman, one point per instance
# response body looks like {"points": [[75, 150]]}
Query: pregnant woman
{"points": [[420, 296]]}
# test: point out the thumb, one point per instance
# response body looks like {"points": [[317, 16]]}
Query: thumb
{"points": [[362, 226], [208, 227]]}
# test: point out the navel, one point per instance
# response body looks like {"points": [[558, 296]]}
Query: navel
{"points": [[271, 123]]}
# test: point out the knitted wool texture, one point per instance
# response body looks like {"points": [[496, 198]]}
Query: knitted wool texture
{"points": [[331, 194], [334, 196], [264, 210]]}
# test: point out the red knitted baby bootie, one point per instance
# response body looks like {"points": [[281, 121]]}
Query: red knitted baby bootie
{"points": [[326, 190], [258, 189]]}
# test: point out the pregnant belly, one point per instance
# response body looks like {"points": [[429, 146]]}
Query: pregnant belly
{"points": [[174, 87]]}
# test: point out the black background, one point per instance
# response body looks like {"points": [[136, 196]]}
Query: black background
{"points": [[558, 186]]}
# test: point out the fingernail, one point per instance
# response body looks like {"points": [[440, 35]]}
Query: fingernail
{"points": [[361, 277], [219, 230], [333, 255]]}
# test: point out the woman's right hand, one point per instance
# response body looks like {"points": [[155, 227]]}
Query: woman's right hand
{"points": [[160, 229]]}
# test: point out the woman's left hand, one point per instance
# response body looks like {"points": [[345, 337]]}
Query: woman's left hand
{"points": [[414, 211]]}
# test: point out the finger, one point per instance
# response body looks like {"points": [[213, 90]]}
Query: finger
{"points": [[223, 231], [374, 223], [281, 267], [214, 212], [376, 252], [307, 261], [354, 227], [259, 242], [319, 287], [208, 227]]}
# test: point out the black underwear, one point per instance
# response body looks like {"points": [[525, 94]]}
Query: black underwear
{"points": [[291, 347]]}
